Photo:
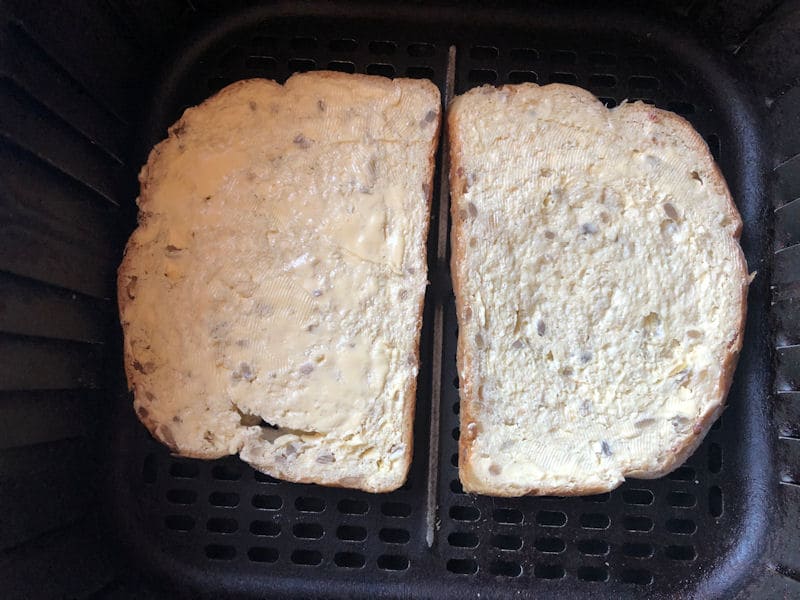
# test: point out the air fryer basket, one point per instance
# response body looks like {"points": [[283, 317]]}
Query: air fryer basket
{"points": [[91, 506]]}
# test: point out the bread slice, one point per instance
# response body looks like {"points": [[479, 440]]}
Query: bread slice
{"points": [[271, 297], [600, 289]]}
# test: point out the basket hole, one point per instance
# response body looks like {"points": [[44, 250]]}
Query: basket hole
{"points": [[681, 526], [456, 408], [217, 525], [637, 550], [481, 76], [184, 470], [149, 469], [548, 571], [510, 516], [602, 80], [608, 102], [714, 458], [551, 518], [265, 528], [597, 498], [639, 497], [351, 533], [682, 108], [182, 496], [309, 558], [421, 49], [309, 504], [602, 58], [392, 535], [224, 499], [348, 506], [349, 560], [681, 499], [343, 45], [682, 474], [592, 574], [523, 55], [264, 64], [637, 523], [301, 65], [464, 513], [308, 531], [562, 77], [179, 522], [226, 473], [269, 44], [593, 547], [343, 66], [563, 57], [456, 433], [382, 47], [462, 566], [715, 503], [523, 77], [483, 53], [267, 502], [505, 568], [463, 539], [680, 552], [595, 521], [641, 62], [264, 478], [264, 555], [506, 542], [303, 44], [418, 72], [382, 69], [637, 576], [396, 509], [454, 459], [643, 82], [220, 552], [455, 487], [550, 545], [231, 58], [455, 385], [392, 562]]}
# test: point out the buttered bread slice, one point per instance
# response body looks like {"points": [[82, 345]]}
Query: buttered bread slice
{"points": [[271, 297], [600, 289]]}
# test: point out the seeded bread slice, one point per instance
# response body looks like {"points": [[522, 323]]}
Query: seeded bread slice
{"points": [[600, 289], [271, 297]]}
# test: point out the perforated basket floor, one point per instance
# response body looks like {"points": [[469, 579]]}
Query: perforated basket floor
{"points": [[215, 527]]}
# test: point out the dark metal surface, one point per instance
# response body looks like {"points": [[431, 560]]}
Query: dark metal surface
{"points": [[79, 109]]}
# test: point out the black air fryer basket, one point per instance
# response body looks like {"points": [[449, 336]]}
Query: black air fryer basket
{"points": [[92, 507]]}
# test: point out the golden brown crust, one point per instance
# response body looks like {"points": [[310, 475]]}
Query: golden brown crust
{"points": [[411, 389], [464, 364], [676, 455]]}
